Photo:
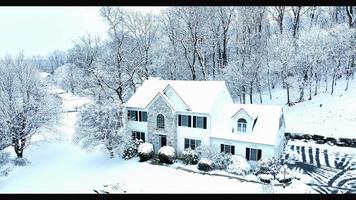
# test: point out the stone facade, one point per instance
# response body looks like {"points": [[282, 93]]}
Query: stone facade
{"points": [[159, 106]]}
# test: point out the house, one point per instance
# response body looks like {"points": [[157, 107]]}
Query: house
{"points": [[186, 114]]}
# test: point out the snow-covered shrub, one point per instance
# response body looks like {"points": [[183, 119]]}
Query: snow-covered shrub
{"points": [[4, 158], [238, 165], [268, 166], [266, 178], [131, 149], [145, 151], [221, 161], [167, 154], [21, 161], [293, 157], [205, 164], [317, 137], [190, 156], [285, 176]]}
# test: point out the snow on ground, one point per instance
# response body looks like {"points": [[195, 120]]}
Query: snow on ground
{"points": [[336, 117], [59, 166]]}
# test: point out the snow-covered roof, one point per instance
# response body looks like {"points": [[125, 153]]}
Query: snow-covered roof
{"points": [[266, 127], [199, 96]]}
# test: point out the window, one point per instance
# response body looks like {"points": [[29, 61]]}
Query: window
{"points": [[132, 115], [199, 122], [253, 154], [241, 125], [160, 121], [184, 120], [191, 143], [143, 116], [138, 135], [227, 148]]}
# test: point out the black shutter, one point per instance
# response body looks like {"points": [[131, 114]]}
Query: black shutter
{"points": [[139, 116], [259, 154], [247, 153], [204, 123], [221, 148], [143, 136], [128, 114], [232, 149], [189, 121], [133, 135], [179, 120], [136, 115], [194, 121]]}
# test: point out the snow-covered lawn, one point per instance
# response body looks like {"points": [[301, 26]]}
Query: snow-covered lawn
{"points": [[336, 117]]}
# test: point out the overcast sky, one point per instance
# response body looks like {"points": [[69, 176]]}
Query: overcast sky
{"points": [[40, 30]]}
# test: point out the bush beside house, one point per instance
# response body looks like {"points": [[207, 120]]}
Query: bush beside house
{"points": [[131, 149], [190, 157], [145, 151], [167, 155], [238, 165], [205, 164]]}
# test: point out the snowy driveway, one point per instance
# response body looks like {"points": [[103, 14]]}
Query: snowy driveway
{"points": [[331, 169]]}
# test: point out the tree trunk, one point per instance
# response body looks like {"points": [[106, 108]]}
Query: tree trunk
{"points": [[268, 84], [260, 94], [310, 90], [332, 83], [316, 85], [326, 83], [224, 56], [302, 86], [288, 99], [18, 147], [19, 153], [243, 95], [251, 90]]}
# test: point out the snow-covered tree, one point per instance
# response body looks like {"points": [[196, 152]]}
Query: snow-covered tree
{"points": [[100, 125], [25, 104]]}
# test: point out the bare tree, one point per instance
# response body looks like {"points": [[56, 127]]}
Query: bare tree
{"points": [[25, 105]]}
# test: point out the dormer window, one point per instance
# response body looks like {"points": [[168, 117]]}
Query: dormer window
{"points": [[241, 125], [160, 121]]}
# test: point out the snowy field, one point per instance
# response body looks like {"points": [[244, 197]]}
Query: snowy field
{"points": [[336, 117]]}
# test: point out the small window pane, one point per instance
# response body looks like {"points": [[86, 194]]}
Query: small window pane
{"points": [[227, 149], [200, 122], [185, 120], [192, 144], [133, 115], [144, 116], [254, 154], [186, 143], [198, 142]]}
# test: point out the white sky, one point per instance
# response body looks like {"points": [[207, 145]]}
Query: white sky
{"points": [[40, 30]]}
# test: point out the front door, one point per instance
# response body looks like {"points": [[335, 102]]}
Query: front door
{"points": [[160, 141], [163, 140]]}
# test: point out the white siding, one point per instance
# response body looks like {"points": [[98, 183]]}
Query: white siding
{"points": [[240, 147], [193, 133]]}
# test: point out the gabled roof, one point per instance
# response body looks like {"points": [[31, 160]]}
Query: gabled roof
{"points": [[180, 98], [199, 96], [265, 128], [164, 99], [251, 115]]}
